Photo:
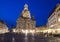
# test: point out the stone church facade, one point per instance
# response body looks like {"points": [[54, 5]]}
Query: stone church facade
{"points": [[25, 20]]}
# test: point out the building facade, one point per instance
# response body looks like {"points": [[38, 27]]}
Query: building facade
{"points": [[25, 20], [3, 27], [41, 29], [54, 18]]}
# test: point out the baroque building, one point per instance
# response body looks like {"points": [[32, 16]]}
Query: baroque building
{"points": [[25, 20], [54, 18], [3, 27]]}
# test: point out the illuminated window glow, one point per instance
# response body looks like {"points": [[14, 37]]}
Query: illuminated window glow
{"points": [[58, 19]]}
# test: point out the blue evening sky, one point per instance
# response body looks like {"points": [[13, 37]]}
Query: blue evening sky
{"points": [[10, 10]]}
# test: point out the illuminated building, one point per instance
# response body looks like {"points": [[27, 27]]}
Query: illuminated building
{"points": [[54, 18], [13, 29], [41, 29], [25, 20], [3, 27]]}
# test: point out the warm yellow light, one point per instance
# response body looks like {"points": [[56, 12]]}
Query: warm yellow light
{"points": [[23, 31], [57, 29], [49, 30], [14, 30], [58, 19], [44, 31], [32, 31], [51, 25], [26, 32]]}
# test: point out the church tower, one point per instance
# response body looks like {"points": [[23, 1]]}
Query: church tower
{"points": [[24, 21]]}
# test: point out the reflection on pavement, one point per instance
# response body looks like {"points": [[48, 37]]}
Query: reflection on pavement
{"points": [[11, 37]]}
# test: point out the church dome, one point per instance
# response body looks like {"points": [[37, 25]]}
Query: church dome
{"points": [[25, 13]]}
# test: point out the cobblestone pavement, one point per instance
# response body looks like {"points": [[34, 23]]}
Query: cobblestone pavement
{"points": [[14, 37]]}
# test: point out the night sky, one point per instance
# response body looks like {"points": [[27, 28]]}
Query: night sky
{"points": [[10, 10]]}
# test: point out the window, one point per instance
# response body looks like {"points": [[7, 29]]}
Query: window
{"points": [[1, 25], [58, 19], [58, 10], [32, 25], [28, 25], [58, 14]]}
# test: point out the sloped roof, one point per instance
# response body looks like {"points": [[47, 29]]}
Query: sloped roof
{"points": [[53, 9], [1, 21]]}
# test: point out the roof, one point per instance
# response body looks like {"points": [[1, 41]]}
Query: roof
{"points": [[53, 9], [2, 21]]}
